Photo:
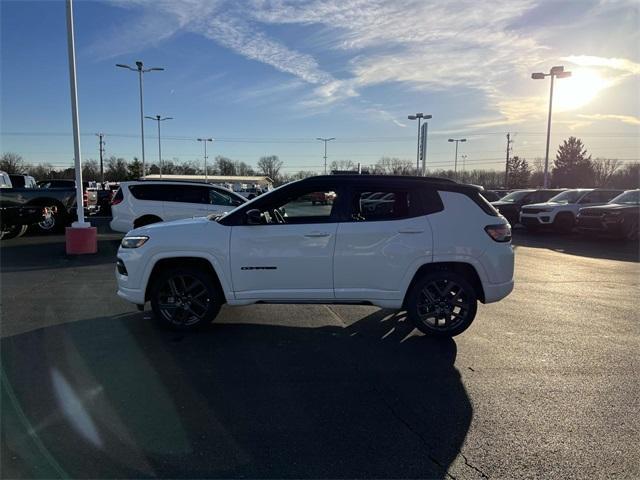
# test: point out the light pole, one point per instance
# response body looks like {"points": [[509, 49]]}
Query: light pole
{"points": [[325, 140], [140, 69], [158, 119], [455, 165], [554, 72], [205, 140], [418, 116], [464, 167]]}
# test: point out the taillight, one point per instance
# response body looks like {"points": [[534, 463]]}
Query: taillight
{"points": [[499, 233], [85, 198], [118, 197]]}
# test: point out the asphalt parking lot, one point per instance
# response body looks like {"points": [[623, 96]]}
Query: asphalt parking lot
{"points": [[544, 383]]}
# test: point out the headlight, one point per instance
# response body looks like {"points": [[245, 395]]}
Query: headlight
{"points": [[133, 242]]}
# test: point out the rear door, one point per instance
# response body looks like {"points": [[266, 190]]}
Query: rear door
{"points": [[146, 199], [386, 233]]}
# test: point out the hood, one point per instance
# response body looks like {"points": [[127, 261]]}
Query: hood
{"points": [[608, 207], [545, 205], [501, 204], [183, 224]]}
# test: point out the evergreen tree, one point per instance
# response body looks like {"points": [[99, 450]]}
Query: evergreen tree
{"points": [[134, 169], [519, 172], [572, 167]]}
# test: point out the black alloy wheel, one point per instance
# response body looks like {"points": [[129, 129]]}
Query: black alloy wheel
{"points": [[442, 304], [184, 299]]}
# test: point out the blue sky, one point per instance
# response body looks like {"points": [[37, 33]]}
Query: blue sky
{"points": [[267, 77]]}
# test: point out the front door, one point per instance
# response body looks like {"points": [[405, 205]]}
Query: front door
{"points": [[288, 255]]}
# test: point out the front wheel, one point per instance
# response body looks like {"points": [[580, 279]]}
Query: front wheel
{"points": [[14, 231], [564, 222], [442, 304], [185, 299]]}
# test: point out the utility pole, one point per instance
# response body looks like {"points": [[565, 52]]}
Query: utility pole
{"points": [[101, 147], [325, 140], [205, 140], [506, 169]]}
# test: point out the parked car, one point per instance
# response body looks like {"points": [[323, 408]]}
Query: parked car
{"points": [[618, 217], [89, 192], [490, 195], [439, 250], [22, 181], [560, 211], [21, 207], [322, 198], [5, 180], [511, 204], [143, 202]]}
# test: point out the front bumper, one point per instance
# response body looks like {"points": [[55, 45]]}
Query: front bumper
{"points": [[535, 220]]}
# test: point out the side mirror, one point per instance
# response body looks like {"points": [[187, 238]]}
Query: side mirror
{"points": [[254, 217]]}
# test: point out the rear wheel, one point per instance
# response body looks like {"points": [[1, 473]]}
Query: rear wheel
{"points": [[442, 304], [14, 231], [632, 230], [564, 222], [185, 298]]}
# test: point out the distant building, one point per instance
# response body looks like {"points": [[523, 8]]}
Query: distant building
{"points": [[237, 181]]}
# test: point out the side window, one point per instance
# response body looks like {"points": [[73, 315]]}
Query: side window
{"points": [[156, 193], [189, 194], [316, 204], [299, 206], [608, 195], [222, 198], [380, 204]]}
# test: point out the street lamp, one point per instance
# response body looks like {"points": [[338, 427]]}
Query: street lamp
{"points": [[140, 69], [325, 140], [158, 119], [455, 165], [553, 73], [418, 116], [205, 140]]}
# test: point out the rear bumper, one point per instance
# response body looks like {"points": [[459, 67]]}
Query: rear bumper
{"points": [[494, 292]]}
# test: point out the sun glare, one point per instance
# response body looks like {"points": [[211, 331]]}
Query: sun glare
{"points": [[578, 90]]}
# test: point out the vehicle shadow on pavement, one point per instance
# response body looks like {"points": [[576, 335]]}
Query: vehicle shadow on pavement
{"points": [[44, 253], [581, 245], [118, 397]]}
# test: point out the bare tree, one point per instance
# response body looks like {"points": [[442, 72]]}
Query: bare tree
{"points": [[243, 169], [11, 162], [270, 166], [342, 165], [604, 169], [225, 166], [394, 166]]}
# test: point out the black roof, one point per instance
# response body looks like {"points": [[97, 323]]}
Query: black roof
{"points": [[390, 180]]}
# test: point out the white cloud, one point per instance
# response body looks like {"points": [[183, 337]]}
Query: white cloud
{"points": [[629, 119], [435, 45]]}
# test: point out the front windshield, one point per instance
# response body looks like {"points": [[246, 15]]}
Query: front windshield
{"points": [[632, 197], [570, 196], [514, 196]]}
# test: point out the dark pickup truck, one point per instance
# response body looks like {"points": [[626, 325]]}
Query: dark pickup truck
{"points": [[50, 208]]}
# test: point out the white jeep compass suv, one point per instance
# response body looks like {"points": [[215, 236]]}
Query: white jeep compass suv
{"points": [[431, 246]]}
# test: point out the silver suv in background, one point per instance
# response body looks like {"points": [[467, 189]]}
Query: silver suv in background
{"points": [[560, 212]]}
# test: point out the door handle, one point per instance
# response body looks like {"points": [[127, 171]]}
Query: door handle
{"points": [[410, 230], [317, 234]]}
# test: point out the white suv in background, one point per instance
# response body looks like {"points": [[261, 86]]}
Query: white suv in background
{"points": [[140, 203], [430, 246], [560, 211]]}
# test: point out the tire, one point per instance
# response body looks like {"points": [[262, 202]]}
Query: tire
{"points": [[563, 223], [146, 220], [442, 304], [185, 298], [632, 231], [15, 231]]}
